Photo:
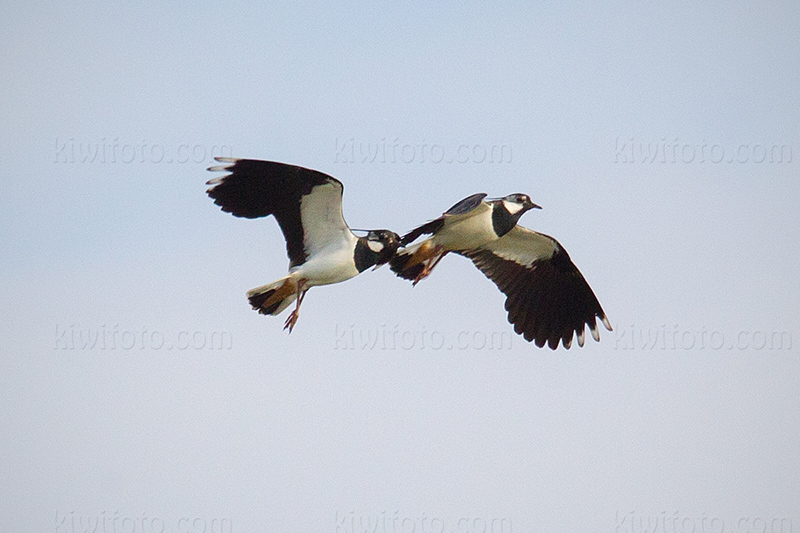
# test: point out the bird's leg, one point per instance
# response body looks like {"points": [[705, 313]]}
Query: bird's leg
{"points": [[429, 264], [292, 320], [436, 262]]}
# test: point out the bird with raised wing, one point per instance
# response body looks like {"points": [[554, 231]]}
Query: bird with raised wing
{"points": [[470, 223], [307, 204], [547, 298]]}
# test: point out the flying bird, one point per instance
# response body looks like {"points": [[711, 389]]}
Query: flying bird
{"points": [[307, 204], [547, 298], [470, 223]]}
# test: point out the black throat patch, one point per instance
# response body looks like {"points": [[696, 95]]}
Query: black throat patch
{"points": [[502, 220], [364, 256]]}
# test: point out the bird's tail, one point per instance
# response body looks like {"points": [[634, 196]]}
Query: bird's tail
{"points": [[274, 297], [415, 262]]}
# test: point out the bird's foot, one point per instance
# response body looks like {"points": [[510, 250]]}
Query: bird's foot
{"points": [[427, 265], [422, 275], [291, 321]]}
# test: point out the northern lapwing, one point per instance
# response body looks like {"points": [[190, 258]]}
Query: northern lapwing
{"points": [[470, 223], [547, 298], [307, 204]]}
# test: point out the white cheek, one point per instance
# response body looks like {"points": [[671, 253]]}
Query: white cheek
{"points": [[375, 246], [512, 207]]}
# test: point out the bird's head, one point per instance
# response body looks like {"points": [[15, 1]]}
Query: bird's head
{"points": [[384, 243], [518, 203]]}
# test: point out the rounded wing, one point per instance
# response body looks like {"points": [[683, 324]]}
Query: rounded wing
{"points": [[306, 203], [548, 299]]}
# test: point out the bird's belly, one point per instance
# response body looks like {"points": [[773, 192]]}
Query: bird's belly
{"points": [[328, 266], [467, 234]]}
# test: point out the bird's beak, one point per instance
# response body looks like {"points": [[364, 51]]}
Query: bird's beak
{"points": [[534, 206]]}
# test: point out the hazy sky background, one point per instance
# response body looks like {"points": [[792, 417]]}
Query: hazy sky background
{"points": [[141, 392]]}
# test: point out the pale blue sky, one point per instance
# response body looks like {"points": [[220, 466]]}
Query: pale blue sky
{"points": [[389, 402]]}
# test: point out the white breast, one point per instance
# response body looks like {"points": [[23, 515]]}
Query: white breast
{"points": [[331, 264]]}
